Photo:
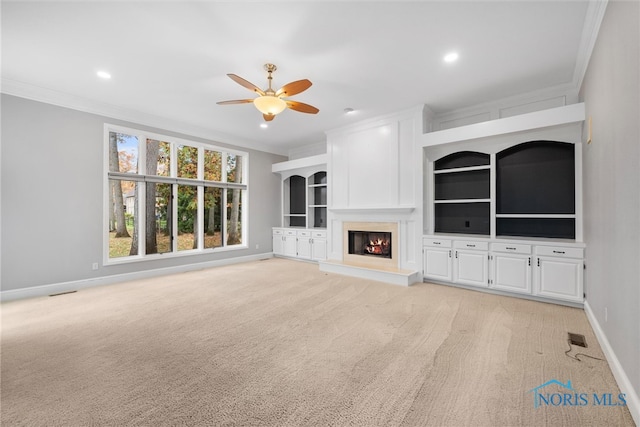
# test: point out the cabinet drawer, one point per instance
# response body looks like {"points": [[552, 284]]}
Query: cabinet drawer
{"points": [[479, 246], [304, 233], [319, 234], [278, 232], [559, 251], [290, 232], [511, 248], [442, 243]]}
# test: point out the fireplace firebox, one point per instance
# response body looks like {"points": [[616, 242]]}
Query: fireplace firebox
{"points": [[370, 243]]}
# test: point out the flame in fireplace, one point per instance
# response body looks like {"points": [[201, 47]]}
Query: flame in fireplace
{"points": [[377, 247]]}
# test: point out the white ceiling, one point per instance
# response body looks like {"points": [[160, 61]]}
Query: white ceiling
{"points": [[169, 60]]}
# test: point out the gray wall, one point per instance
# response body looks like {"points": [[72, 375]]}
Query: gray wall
{"points": [[610, 91], [52, 201]]}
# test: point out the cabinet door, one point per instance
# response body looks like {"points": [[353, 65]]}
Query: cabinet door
{"points": [[318, 249], [471, 268], [559, 278], [511, 272], [278, 244], [437, 263], [304, 247], [290, 248]]}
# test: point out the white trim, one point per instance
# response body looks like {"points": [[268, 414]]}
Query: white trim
{"points": [[592, 22], [525, 122], [55, 288], [633, 401]]}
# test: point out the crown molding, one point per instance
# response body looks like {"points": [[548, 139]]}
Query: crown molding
{"points": [[60, 99], [592, 22]]}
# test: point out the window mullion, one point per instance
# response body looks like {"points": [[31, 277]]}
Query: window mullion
{"points": [[142, 219], [223, 214], [200, 218]]}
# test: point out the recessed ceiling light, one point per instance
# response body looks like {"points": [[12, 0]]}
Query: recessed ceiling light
{"points": [[451, 57], [103, 75], [264, 125]]}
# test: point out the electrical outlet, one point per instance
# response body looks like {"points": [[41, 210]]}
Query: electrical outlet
{"points": [[257, 246], [94, 266]]}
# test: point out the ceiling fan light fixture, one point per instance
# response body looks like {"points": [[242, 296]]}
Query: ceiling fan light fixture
{"points": [[269, 104]]}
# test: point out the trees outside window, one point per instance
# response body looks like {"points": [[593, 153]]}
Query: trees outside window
{"points": [[171, 196]]}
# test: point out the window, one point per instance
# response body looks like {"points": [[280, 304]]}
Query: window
{"points": [[168, 196]]}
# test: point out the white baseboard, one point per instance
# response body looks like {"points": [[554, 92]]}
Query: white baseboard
{"points": [[633, 401], [56, 288]]}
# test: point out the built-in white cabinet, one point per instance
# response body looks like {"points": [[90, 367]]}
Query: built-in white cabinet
{"points": [[537, 269], [559, 273], [304, 192], [471, 263], [511, 267], [303, 244], [437, 259], [318, 245]]}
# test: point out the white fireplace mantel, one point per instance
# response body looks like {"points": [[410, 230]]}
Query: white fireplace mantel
{"points": [[374, 210]]}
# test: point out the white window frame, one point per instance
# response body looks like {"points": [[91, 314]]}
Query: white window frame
{"points": [[175, 181]]}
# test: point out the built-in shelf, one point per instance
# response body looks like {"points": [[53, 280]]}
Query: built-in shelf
{"points": [[567, 114]]}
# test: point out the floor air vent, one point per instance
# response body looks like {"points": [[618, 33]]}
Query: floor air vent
{"points": [[577, 339]]}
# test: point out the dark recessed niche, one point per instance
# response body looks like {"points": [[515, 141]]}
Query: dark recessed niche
{"points": [[462, 185], [536, 177], [466, 218], [297, 221], [320, 178], [552, 228], [462, 159], [297, 189], [320, 217]]}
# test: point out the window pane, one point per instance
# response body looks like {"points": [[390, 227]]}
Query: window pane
{"points": [[123, 202], [234, 168], [123, 153], [187, 217], [212, 165], [158, 218], [158, 158], [234, 217], [187, 162], [212, 217]]}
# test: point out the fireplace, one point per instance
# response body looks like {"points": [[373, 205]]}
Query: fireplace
{"points": [[370, 244]]}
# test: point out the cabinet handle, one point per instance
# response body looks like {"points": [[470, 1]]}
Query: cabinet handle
{"points": [[558, 252], [529, 261], [471, 246], [436, 243], [456, 254], [449, 253], [510, 249], [538, 262]]}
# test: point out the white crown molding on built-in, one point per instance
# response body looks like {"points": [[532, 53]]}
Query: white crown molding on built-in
{"points": [[592, 22], [49, 96]]}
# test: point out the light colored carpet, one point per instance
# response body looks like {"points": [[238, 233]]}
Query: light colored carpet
{"points": [[278, 342]]}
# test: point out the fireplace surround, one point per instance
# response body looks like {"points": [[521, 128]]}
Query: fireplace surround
{"points": [[370, 244]]}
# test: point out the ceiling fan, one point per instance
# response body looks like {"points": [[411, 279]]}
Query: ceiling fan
{"points": [[271, 102]]}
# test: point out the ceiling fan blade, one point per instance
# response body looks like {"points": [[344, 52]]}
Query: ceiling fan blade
{"points": [[245, 83], [235, 101], [268, 117], [302, 107], [293, 88]]}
